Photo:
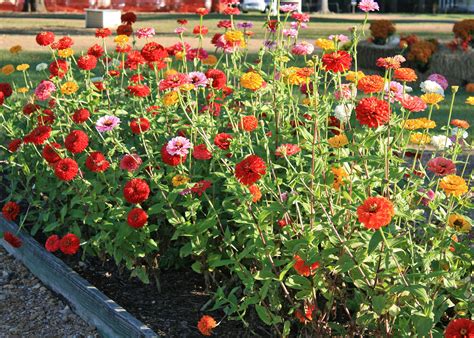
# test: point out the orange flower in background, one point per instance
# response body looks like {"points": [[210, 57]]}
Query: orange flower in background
{"points": [[251, 80], [382, 29], [470, 88], [371, 84], [339, 175], [303, 269], [375, 212], [453, 185], [459, 223], [460, 123], [15, 49], [7, 69], [405, 75], [248, 123], [206, 324], [256, 193], [307, 316], [338, 141]]}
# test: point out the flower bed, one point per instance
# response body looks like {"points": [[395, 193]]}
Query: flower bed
{"points": [[283, 188]]}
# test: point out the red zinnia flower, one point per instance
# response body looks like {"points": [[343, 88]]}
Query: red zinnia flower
{"points": [[87, 62], [102, 32], [52, 243], [337, 62], [46, 117], [69, 244], [223, 140], [136, 191], [201, 186], [413, 103], [10, 211], [206, 324], [66, 169], [63, 43], [95, 50], [200, 152], [45, 38], [153, 52], [30, 108], [58, 68], [125, 30], [96, 162], [139, 90], [202, 11], [250, 170], [217, 77], [76, 141], [441, 166], [172, 160], [248, 123], [375, 212], [304, 269], [14, 145], [50, 154], [11, 239], [39, 135], [140, 125], [137, 218], [372, 112], [129, 18], [81, 115], [130, 162], [6, 89], [460, 328]]}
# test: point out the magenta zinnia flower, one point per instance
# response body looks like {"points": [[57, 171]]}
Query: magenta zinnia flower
{"points": [[44, 90], [369, 6], [107, 123], [178, 146], [439, 79], [145, 33], [302, 48]]}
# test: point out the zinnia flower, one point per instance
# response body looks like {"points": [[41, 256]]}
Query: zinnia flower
{"points": [[137, 218], [302, 48], [439, 79], [441, 142], [339, 175], [429, 86], [368, 6], [371, 84], [76, 142], [140, 125], [10, 211], [405, 75], [223, 140], [206, 324], [96, 162], [178, 146], [338, 141], [52, 243], [343, 112], [136, 191], [453, 185], [287, 150], [248, 123], [66, 169], [107, 123], [69, 244], [441, 166], [432, 98], [373, 112], [250, 170], [11, 239], [130, 162], [375, 212], [44, 90], [459, 223], [200, 152], [179, 180], [420, 138], [145, 33], [460, 328], [337, 62], [251, 80], [413, 103]]}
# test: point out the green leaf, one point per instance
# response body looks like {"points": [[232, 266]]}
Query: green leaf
{"points": [[263, 314], [374, 242], [378, 304], [422, 324]]}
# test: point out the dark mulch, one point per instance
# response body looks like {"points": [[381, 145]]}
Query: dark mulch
{"points": [[174, 312]]}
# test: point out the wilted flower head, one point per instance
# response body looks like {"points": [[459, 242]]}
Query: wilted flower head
{"points": [[178, 146], [107, 123]]}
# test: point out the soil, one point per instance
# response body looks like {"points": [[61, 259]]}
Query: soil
{"points": [[175, 311]]}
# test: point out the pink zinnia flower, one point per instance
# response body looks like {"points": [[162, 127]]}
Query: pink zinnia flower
{"points": [[178, 146], [339, 38], [44, 90], [346, 92], [441, 166], [369, 6], [287, 150], [413, 103], [428, 196], [298, 25], [130, 162], [302, 48], [439, 79], [180, 30], [145, 33], [198, 79], [290, 32], [288, 8], [107, 123]]}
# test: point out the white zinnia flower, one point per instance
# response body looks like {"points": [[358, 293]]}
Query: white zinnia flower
{"points": [[343, 112], [441, 142], [429, 86], [41, 66]]}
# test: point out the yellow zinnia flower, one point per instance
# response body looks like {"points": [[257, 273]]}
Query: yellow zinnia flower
{"points": [[354, 76], [69, 88], [453, 185], [186, 87], [251, 80], [234, 36], [432, 98], [324, 44], [339, 175], [459, 223], [121, 39], [420, 138], [170, 98], [179, 180], [22, 90], [65, 53], [22, 67], [15, 49], [338, 141], [412, 124], [470, 100], [282, 58], [8, 69], [211, 60]]}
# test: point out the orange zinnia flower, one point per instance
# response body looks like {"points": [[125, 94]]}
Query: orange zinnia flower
{"points": [[375, 212], [453, 185], [256, 193], [405, 75], [460, 123], [206, 324], [371, 84]]}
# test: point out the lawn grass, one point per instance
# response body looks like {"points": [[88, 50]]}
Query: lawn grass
{"points": [[460, 110]]}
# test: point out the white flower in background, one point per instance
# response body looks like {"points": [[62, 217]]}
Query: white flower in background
{"points": [[429, 86], [97, 79], [441, 142], [459, 132], [343, 112], [115, 62], [41, 66]]}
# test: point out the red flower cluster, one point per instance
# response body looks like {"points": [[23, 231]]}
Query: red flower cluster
{"points": [[45, 38], [137, 218], [218, 79], [87, 62], [76, 142], [337, 62], [304, 269], [136, 191], [69, 244], [58, 68], [375, 212], [139, 90], [39, 135], [66, 169], [10, 211], [223, 140], [50, 153], [371, 84], [373, 112], [81, 115], [200, 152], [250, 170], [140, 125], [460, 328], [248, 123]]}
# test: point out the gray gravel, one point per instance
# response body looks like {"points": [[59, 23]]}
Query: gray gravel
{"points": [[29, 309]]}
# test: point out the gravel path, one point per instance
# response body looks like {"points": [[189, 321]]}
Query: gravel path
{"points": [[29, 309]]}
